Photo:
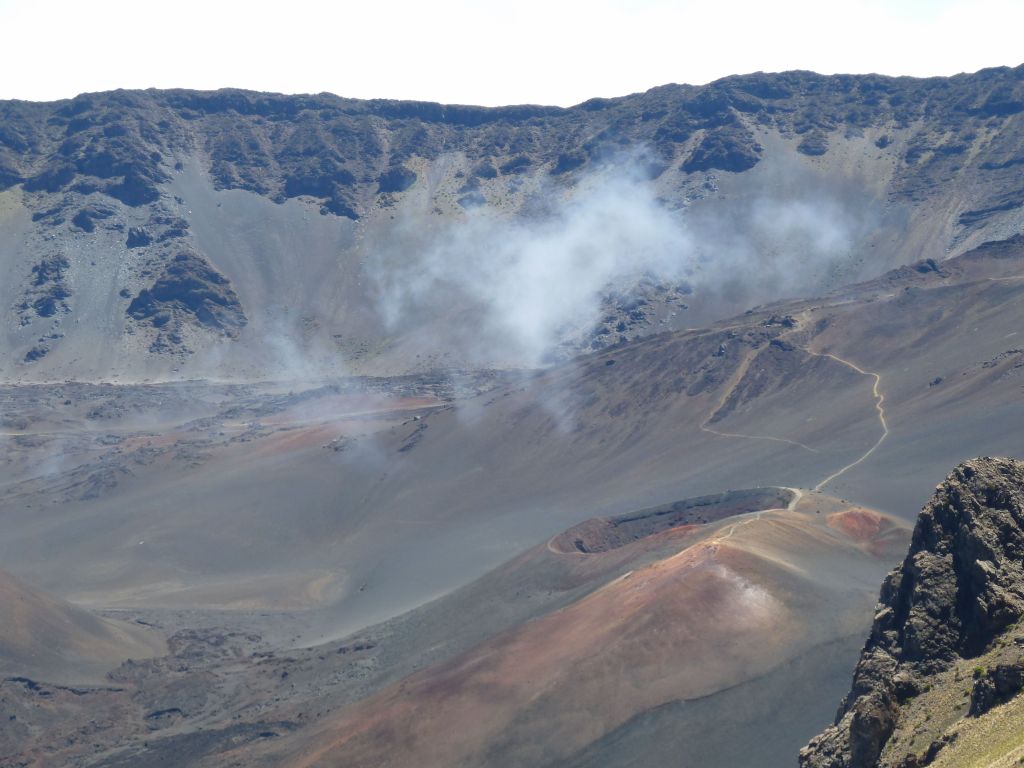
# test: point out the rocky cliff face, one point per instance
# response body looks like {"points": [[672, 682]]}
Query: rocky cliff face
{"points": [[954, 601], [284, 197], [347, 152]]}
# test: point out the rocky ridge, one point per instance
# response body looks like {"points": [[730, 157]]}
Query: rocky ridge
{"points": [[345, 152], [95, 176], [949, 614]]}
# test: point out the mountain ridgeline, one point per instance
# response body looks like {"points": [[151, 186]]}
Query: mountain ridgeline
{"points": [[348, 152], [143, 227]]}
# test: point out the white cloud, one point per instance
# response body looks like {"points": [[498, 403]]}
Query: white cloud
{"points": [[511, 289]]}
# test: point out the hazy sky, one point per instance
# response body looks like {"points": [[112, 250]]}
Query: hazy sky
{"points": [[458, 51]]}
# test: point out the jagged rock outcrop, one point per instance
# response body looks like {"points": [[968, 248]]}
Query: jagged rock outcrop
{"points": [[996, 686], [959, 588], [728, 149], [122, 144], [138, 237], [48, 291], [190, 286], [135, 167]]}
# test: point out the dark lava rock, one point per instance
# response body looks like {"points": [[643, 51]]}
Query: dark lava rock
{"points": [[814, 144], [52, 216], [960, 586], [135, 189], [174, 228], [9, 174], [396, 179], [568, 161], [1007, 201], [318, 179], [51, 179], [781, 321], [727, 149], [339, 206], [85, 219], [997, 165], [138, 237], [996, 686], [190, 286], [48, 291], [50, 303], [320, 176], [485, 170], [37, 352], [49, 270], [517, 164]]}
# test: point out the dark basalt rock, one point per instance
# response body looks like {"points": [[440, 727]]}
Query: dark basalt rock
{"points": [[518, 164], [568, 161], [138, 237], [1001, 102], [729, 149], [1008, 202], [339, 207], [49, 270], [994, 165], [83, 221], [318, 179], [9, 174], [813, 144], [51, 179], [485, 170], [173, 227], [48, 289], [135, 189], [960, 586], [396, 180], [995, 686], [51, 302], [36, 353], [86, 218], [190, 286]]}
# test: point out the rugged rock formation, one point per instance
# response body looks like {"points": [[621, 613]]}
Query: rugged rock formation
{"points": [[189, 286], [730, 149], [138, 237], [957, 592], [107, 169], [346, 151]]}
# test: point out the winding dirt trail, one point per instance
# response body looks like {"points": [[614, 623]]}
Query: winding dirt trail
{"points": [[730, 388], [744, 366], [879, 407], [876, 390], [734, 381]]}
